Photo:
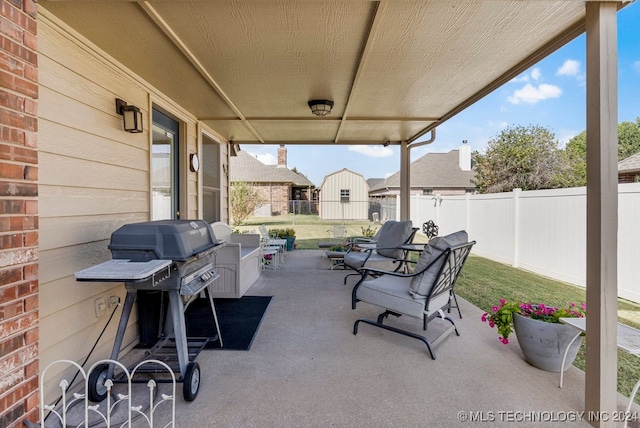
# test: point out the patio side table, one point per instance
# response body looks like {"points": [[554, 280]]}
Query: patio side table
{"points": [[628, 339]]}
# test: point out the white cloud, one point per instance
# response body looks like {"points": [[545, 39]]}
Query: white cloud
{"points": [[536, 74], [372, 151], [530, 94], [570, 67], [636, 66], [267, 159], [520, 79]]}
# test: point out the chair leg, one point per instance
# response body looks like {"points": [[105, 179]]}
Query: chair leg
{"points": [[455, 299], [395, 330]]}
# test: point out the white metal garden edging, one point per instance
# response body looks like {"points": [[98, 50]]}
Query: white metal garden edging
{"points": [[61, 407]]}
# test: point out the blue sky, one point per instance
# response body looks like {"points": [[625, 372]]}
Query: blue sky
{"points": [[549, 94]]}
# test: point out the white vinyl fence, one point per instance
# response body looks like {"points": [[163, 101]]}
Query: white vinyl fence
{"points": [[543, 231]]}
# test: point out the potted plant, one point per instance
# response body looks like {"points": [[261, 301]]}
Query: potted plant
{"points": [[290, 235], [542, 338]]}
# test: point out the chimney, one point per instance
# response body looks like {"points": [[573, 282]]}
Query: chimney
{"points": [[282, 156], [464, 160]]}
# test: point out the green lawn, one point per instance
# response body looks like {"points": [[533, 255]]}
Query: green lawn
{"points": [[482, 282]]}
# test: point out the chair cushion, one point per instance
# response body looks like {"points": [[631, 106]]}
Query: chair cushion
{"points": [[390, 292], [355, 259], [421, 284], [392, 235]]}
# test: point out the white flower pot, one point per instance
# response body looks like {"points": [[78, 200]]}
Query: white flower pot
{"points": [[543, 344]]}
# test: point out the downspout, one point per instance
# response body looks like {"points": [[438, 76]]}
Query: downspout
{"points": [[405, 182], [405, 174]]}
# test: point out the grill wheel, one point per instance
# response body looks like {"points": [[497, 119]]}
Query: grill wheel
{"points": [[97, 390], [191, 383]]}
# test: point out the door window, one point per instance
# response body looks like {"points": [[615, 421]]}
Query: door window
{"points": [[210, 180], [165, 167]]}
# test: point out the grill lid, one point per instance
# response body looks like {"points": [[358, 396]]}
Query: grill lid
{"points": [[176, 240]]}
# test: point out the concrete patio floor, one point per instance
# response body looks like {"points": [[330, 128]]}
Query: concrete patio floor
{"points": [[307, 369]]}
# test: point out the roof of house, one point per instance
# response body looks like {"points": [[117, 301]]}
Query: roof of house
{"points": [[434, 170], [245, 167], [374, 182], [324, 180], [630, 164]]}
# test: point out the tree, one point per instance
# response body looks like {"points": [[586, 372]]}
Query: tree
{"points": [[244, 200], [576, 150], [520, 157]]}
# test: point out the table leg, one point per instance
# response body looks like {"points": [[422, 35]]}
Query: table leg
{"points": [[564, 357]]}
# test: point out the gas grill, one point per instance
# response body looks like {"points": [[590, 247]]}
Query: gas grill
{"points": [[176, 258]]}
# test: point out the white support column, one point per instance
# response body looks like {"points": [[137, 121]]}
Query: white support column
{"points": [[405, 186], [602, 212]]}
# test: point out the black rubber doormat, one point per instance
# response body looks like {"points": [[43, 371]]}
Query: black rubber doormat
{"points": [[239, 320]]}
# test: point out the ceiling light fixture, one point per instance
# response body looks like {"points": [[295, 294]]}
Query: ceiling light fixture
{"points": [[320, 107]]}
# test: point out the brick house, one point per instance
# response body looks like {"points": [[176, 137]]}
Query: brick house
{"points": [[434, 173], [277, 185], [629, 169]]}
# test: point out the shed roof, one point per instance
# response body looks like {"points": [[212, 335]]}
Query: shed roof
{"points": [[340, 171]]}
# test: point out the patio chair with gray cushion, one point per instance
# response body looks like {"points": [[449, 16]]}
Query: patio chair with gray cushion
{"points": [[339, 233], [384, 251], [425, 293]]}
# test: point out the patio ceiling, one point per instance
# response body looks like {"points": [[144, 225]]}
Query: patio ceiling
{"points": [[395, 69]]}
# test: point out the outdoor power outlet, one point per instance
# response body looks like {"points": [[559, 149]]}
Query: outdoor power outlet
{"points": [[100, 306], [113, 301]]}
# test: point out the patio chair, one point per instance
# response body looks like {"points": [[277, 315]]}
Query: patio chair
{"points": [[425, 293], [383, 250], [339, 233]]}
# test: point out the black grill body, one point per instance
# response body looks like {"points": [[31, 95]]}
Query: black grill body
{"points": [[177, 240]]}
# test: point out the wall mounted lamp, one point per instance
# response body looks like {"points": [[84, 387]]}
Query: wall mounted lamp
{"points": [[131, 116], [321, 107], [233, 148]]}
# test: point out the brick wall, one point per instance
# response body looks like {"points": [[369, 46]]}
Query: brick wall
{"points": [[628, 177], [275, 194], [18, 213]]}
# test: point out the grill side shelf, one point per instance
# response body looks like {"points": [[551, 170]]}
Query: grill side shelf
{"points": [[123, 270]]}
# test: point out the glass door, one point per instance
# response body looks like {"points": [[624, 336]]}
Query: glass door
{"points": [[165, 167], [211, 179]]}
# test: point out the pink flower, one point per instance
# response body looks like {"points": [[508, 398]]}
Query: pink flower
{"points": [[491, 324], [484, 317], [495, 309], [502, 301], [504, 340]]}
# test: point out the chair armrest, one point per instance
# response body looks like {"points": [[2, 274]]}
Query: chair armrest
{"points": [[378, 272]]}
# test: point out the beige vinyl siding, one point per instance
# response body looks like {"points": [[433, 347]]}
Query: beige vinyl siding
{"points": [[331, 208], [93, 178]]}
